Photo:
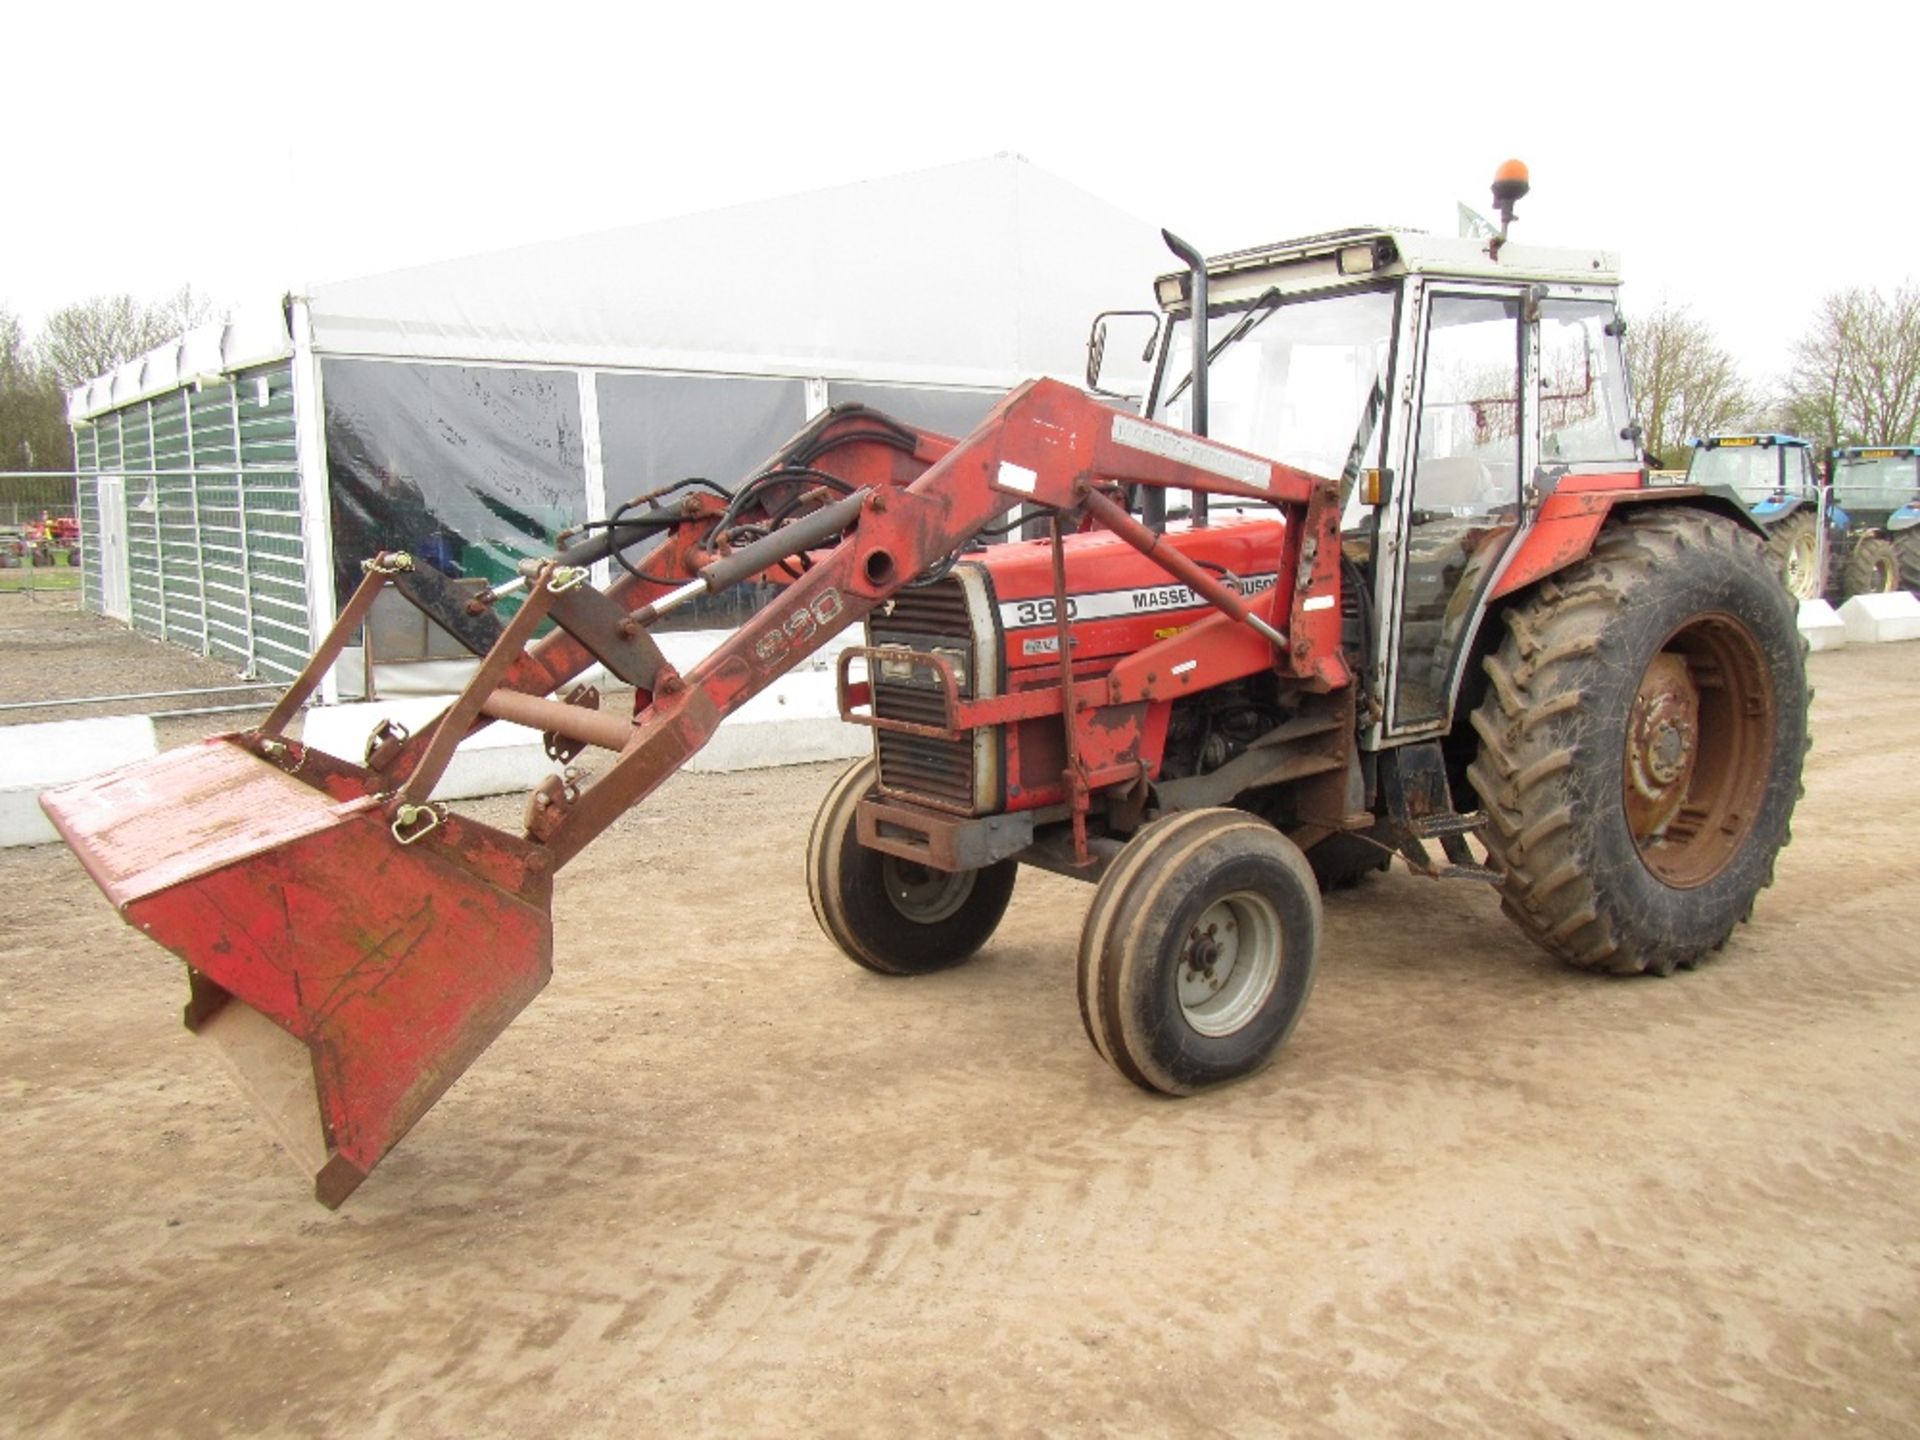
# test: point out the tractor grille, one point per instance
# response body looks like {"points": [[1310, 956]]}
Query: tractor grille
{"points": [[938, 773]]}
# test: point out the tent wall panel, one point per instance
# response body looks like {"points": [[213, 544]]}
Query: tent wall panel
{"points": [[473, 468], [951, 412], [172, 449], [86, 462], [214, 553], [656, 430], [143, 557], [211, 411]]}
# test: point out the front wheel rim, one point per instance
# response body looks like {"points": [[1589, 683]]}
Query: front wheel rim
{"points": [[923, 894], [1229, 963]]}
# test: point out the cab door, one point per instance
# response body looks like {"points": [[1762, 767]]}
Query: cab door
{"points": [[1469, 447]]}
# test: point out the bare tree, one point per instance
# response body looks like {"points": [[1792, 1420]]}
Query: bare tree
{"points": [[92, 337], [1684, 384], [1856, 374], [33, 413], [185, 309]]}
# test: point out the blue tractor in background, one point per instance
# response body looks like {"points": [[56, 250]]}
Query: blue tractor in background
{"points": [[1873, 517], [1774, 477]]}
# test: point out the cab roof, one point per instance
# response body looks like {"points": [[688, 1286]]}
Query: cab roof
{"points": [[1313, 262], [1714, 442], [1874, 452]]}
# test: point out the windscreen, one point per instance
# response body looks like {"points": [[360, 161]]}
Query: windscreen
{"points": [[1883, 483], [1753, 471], [1296, 384]]}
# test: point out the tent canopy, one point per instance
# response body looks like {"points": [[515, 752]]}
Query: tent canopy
{"points": [[980, 273]]}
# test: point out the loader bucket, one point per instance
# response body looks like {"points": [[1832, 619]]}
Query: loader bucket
{"points": [[348, 978]]}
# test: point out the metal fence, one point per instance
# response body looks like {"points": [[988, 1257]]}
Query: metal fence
{"points": [[37, 557], [28, 496]]}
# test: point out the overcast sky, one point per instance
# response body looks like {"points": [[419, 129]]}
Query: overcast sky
{"points": [[1743, 165]]}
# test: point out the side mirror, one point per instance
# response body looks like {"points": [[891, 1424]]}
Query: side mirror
{"points": [[1097, 342], [1096, 351]]}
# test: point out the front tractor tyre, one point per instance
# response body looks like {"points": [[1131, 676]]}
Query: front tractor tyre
{"points": [[1641, 743], [1793, 552], [1872, 568], [894, 916], [1199, 950]]}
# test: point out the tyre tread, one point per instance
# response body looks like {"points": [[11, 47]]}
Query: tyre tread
{"points": [[1531, 722]]}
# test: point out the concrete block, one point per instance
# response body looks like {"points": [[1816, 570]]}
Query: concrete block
{"points": [[1872, 619], [403, 680], [37, 757], [793, 721], [1822, 625]]}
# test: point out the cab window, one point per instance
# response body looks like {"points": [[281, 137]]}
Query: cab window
{"points": [[1583, 388]]}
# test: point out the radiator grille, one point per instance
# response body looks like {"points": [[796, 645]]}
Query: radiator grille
{"points": [[939, 773]]}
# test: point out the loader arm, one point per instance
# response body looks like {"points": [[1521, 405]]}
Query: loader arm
{"points": [[355, 945], [850, 443]]}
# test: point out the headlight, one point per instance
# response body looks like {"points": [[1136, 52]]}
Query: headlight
{"points": [[958, 660], [916, 668]]}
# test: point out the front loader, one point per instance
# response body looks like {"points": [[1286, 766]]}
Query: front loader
{"points": [[1423, 597]]}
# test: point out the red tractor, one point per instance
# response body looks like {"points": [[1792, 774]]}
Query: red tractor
{"points": [[54, 538], [1423, 593]]}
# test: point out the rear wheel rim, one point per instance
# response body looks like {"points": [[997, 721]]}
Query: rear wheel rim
{"points": [[1699, 738], [1229, 963]]}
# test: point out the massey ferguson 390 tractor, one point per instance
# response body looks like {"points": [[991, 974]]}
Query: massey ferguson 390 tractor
{"points": [[1423, 593]]}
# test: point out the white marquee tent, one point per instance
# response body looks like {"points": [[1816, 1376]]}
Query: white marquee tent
{"points": [[468, 410]]}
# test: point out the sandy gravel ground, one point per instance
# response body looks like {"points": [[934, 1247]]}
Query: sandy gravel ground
{"points": [[719, 1181]]}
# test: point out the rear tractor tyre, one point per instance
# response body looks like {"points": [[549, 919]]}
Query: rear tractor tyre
{"points": [[1872, 568], [1641, 744], [894, 916], [1199, 950], [1907, 546], [1793, 551]]}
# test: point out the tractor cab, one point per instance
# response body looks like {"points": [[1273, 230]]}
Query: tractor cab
{"points": [[1773, 477], [1451, 384], [1772, 474], [1875, 517], [1880, 484]]}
